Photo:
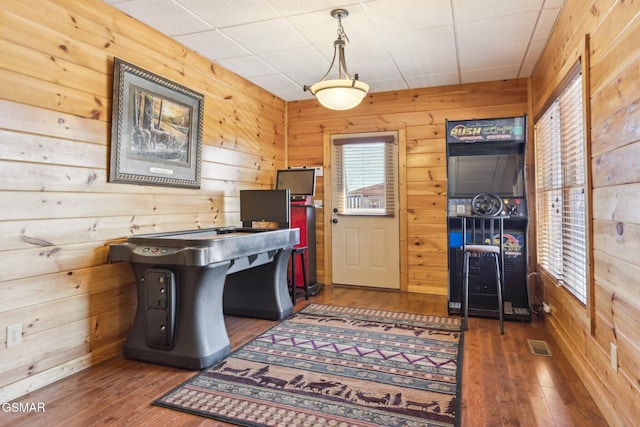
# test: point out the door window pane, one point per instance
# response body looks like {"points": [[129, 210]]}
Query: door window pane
{"points": [[365, 172]]}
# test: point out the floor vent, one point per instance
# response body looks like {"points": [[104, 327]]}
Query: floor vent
{"points": [[539, 348]]}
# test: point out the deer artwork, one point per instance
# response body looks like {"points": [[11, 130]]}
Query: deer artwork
{"points": [[237, 372], [320, 386], [381, 401], [421, 405], [159, 136], [277, 382], [141, 138]]}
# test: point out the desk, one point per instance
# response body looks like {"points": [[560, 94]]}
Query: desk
{"points": [[186, 281]]}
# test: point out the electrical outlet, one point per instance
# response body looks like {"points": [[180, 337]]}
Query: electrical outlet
{"points": [[614, 357], [14, 335]]}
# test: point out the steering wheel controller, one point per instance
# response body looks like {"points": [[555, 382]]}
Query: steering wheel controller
{"points": [[487, 204]]}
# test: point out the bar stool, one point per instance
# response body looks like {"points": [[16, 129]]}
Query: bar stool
{"points": [[302, 250], [495, 252]]}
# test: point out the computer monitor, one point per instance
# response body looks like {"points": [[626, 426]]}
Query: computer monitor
{"points": [[300, 182], [264, 206]]}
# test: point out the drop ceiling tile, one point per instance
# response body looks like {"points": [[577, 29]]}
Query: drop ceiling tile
{"points": [[552, 4], [213, 45], [248, 66], [165, 16], [430, 41], [430, 80], [388, 18], [305, 77], [302, 58], [474, 10], [364, 50], [534, 51], [526, 69], [426, 51], [495, 32], [545, 24], [498, 56], [420, 66], [489, 74], [277, 84], [229, 13], [299, 7], [387, 85], [266, 36], [321, 29], [376, 70]]}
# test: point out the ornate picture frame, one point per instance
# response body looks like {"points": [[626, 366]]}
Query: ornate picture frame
{"points": [[156, 129]]}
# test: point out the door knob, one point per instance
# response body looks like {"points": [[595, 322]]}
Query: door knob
{"points": [[334, 220]]}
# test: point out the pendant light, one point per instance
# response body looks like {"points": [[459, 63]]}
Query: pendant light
{"points": [[345, 92]]}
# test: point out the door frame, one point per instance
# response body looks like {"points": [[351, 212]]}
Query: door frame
{"points": [[402, 196]]}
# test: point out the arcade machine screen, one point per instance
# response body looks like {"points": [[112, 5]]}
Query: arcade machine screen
{"points": [[500, 173]]}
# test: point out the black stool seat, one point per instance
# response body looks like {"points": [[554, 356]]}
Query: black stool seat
{"points": [[480, 242], [301, 250]]}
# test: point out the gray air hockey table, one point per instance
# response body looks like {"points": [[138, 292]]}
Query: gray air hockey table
{"points": [[187, 280]]}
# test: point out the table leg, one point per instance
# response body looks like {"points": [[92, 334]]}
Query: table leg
{"points": [[197, 337], [261, 291]]}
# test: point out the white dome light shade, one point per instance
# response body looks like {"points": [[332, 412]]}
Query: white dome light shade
{"points": [[339, 94], [345, 92]]}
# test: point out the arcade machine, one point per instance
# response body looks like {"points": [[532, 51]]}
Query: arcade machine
{"points": [[486, 176], [302, 185]]}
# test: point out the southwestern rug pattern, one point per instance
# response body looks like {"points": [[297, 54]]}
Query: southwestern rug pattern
{"points": [[335, 366]]}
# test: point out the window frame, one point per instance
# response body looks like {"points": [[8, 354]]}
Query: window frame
{"points": [[389, 143], [555, 269]]}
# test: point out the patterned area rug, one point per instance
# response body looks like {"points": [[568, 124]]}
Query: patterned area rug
{"points": [[335, 366]]}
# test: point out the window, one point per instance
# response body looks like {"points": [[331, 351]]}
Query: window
{"points": [[365, 175], [561, 190]]}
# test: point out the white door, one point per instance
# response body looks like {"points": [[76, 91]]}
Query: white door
{"points": [[365, 226]]}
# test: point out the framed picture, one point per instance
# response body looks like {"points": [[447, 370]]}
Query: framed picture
{"points": [[156, 129]]}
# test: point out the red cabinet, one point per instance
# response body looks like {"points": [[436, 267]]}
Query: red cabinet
{"points": [[303, 216]]}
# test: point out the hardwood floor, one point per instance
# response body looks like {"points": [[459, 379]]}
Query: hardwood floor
{"points": [[503, 384]]}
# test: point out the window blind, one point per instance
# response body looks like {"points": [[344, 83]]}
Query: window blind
{"points": [[365, 175], [560, 190]]}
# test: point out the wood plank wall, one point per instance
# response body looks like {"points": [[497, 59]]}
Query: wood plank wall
{"points": [[613, 311], [59, 212], [421, 114]]}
